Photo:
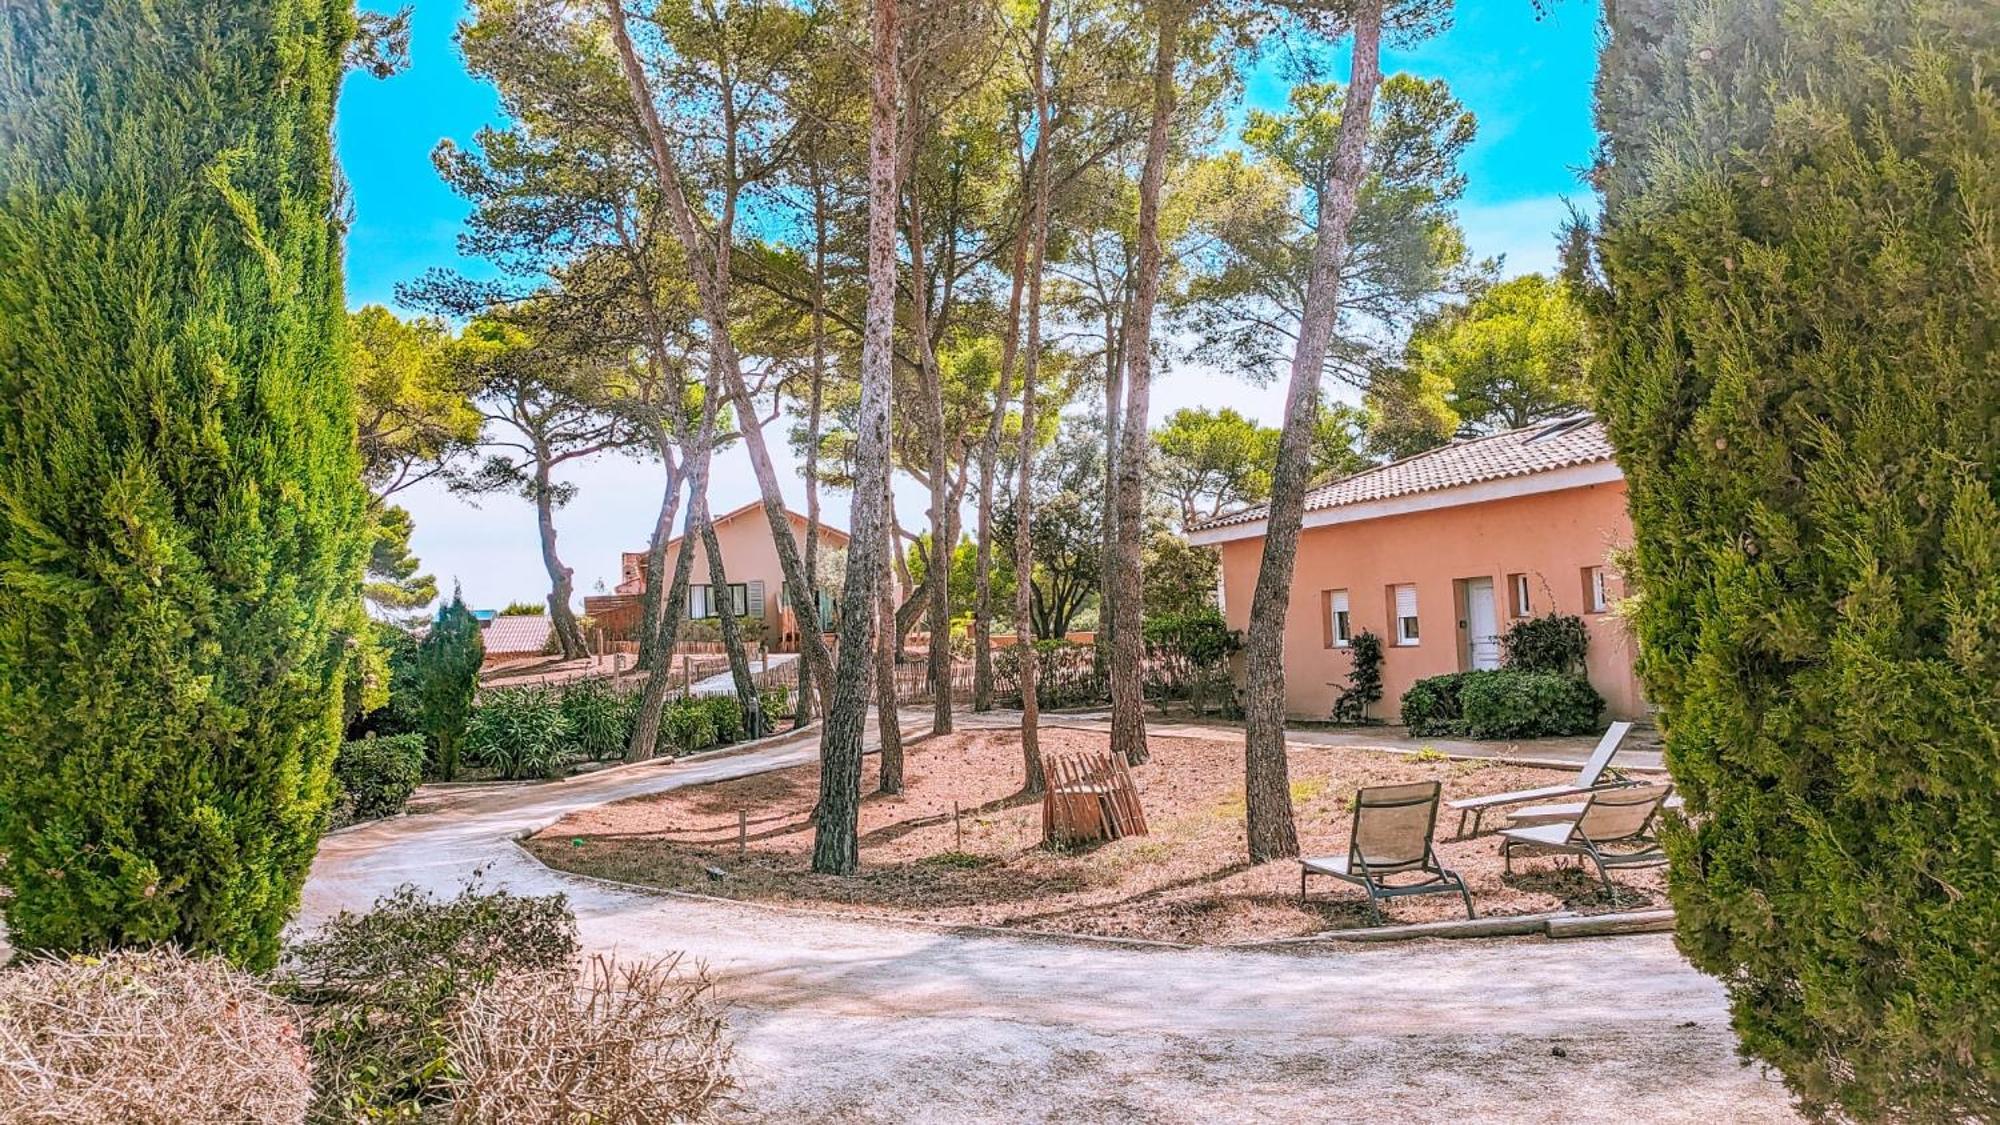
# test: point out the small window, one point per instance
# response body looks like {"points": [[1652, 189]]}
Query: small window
{"points": [[700, 604], [739, 594], [1339, 625], [1405, 600], [1517, 584], [1593, 589]]}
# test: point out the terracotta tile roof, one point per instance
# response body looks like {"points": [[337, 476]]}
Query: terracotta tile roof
{"points": [[522, 633], [1532, 449]]}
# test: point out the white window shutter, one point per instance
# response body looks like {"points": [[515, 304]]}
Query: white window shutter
{"points": [[1406, 601], [1340, 601], [757, 598]]}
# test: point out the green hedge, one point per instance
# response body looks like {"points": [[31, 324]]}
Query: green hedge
{"points": [[1800, 369], [1502, 704], [377, 775]]}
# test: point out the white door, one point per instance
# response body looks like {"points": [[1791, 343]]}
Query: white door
{"points": [[1482, 623]]}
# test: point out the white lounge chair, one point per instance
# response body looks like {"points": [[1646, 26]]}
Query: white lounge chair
{"points": [[1589, 779], [1614, 830], [1567, 810], [1392, 832]]}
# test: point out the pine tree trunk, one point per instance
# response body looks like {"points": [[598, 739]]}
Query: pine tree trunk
{"points": [[1267, 781], [808, 618], [644, 742], [732, 632], [944, 526], [836, 845], [890, 759], [989, 456], [1128, 697], [1107, 559], [652, 599], [1033, 778], [562, 619], [708, 263]]}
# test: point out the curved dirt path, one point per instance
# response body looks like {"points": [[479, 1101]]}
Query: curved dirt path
{"points": [[843, 1019]]}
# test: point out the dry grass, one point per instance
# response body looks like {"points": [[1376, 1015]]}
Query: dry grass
{"points": [[146, 1039], [628, 1042], [1186, 882]]}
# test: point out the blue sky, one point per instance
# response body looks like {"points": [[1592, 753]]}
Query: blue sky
{"points": [[1528, 81]]}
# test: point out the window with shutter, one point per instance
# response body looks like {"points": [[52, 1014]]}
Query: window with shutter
{"points": [[756, 599], [1518, 585], [699, 604], [1341, 624], [1594, 594], [1405, 597]]}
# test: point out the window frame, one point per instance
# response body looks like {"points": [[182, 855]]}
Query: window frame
{"points": [[1596, 590], [1520, 595], [1412, 636], [1339, 619]]}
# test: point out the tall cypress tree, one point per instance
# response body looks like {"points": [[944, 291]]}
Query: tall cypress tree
{"points": [[446, 675], [181, 510], [1800, 251]]}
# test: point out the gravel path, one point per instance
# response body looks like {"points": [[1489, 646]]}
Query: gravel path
{"points": [[842, 1019]]}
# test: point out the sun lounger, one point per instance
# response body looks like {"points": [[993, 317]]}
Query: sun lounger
{"points": [[1614, 830], [1393, 825], [1588, 779], [1568, 810]]}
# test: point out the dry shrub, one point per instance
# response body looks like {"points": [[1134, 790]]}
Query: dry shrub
{"points": [[640, 1042], [380, 989], [146, 1038]]}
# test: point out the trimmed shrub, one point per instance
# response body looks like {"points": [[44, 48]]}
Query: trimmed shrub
{"points": [[775, 702], [153, 1038], [521, 732], [183, 527], [1797, 367], [599, 716], [377, 776], [1432, 707], [381, 990], [635, 1042], [1553, 642], [1364, 679], [1508, 704], [1501, 704]]}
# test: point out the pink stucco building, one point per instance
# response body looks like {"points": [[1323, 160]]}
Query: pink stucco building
{"points": [[1438, 553]]}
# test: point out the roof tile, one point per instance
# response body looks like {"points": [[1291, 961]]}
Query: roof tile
{"points": [[1539, 448]]}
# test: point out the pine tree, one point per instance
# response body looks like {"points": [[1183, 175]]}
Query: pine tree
{"points": [[181, 509], [1798, 253], [446, 674]]}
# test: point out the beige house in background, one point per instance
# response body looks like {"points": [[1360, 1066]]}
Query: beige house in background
{"points": [[749, 560], [1438, 554]]}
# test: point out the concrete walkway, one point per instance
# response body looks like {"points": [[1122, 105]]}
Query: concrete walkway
{"points": [[851, 1020], [724, 682]]}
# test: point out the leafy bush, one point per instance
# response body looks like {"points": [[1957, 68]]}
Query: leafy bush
{"points": [[599, 717], [1799, 373], [520, 731], [381, 989], [637, 1042], [1432, 706], [726, 713], [1508, 704], [377, 775], [776, 702], [146, 1038], [1364, 679], [1187, 654], [1553, 642], [687, 725], [1501, 704]]}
